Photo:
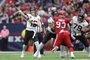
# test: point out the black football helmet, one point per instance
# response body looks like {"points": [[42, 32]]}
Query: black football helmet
{"points": [[80, 18]]}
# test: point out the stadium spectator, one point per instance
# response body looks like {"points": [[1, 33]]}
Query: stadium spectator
{"points": [[10, 10], [5, 33], [2, 2], [41, 12], [3, 16], [0, 41], [10, 1]]}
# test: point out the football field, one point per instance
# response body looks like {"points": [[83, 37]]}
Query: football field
{"points": [[79, 55]]}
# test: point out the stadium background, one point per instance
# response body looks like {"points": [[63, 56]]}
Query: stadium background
{"points": [[16, 24], [15, 39]]}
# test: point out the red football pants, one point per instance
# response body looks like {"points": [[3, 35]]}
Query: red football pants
{"points": [[63, 37]]}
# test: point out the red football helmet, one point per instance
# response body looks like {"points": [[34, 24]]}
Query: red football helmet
{"points": [[62, 12]]}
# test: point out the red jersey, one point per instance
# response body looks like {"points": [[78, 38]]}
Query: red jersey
{"points": [[60, 24]]}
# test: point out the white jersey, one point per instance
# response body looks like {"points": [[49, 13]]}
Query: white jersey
{"points": [[29, 26], [50, 20], [77, 26], [39, 28], [51, 30]]}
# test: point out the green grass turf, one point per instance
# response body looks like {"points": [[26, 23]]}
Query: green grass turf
{"points": [[47, 56]]}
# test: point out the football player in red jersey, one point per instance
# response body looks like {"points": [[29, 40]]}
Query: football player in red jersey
{"points": [[62, 33]]}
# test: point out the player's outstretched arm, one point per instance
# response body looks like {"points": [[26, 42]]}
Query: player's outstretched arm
{"points": [[22, 14]]}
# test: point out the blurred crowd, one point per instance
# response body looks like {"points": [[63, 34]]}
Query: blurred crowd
{"points": [[45, 8]]}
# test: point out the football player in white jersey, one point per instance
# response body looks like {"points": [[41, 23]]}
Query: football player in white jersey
{"points": [[50, 33], [32, 21], [79, 24], [39, 36]]}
